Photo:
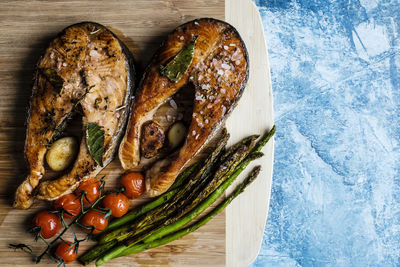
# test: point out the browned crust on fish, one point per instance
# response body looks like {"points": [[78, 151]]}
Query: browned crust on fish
{"points": [[98, 72], [219, 71]]}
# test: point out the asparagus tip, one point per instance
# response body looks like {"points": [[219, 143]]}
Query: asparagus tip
{"points": [[250, 178], [256, 170], [255, 155]]}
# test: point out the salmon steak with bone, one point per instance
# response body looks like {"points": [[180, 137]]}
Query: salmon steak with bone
{"points": [[85, 70], [208, 54]]}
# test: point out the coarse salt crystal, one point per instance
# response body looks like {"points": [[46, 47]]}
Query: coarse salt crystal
{"points": [[197, 96], [237, 62], [211, 97], [92, 53], [196, 23], [236, 55], [226, 47], [223, 110], [220, 72], [200, 77], [225, 66], [232, 45], [206, 121], [197, 136], [193, 132], [173, 104], [223, 91], [52, 55], [64, 64], [205, 86], [181, 38]]}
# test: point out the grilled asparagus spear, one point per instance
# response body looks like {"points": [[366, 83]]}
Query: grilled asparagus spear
{"points": [[127, 250], [152, 236]]}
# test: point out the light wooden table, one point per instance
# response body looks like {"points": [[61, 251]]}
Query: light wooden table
{"points": [[232, 238]]}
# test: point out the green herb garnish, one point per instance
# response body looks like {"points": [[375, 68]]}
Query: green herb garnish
{"points": [[175, 68], [95, 142], [54, 79]]}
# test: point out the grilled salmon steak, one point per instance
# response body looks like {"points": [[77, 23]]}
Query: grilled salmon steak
{"points": [[211, 55], [85, 69]]}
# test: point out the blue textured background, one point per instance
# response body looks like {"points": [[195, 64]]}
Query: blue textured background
{"points": [[336, 188]]}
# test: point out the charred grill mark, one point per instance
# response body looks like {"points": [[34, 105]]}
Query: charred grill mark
{"points": [[152, 139]]}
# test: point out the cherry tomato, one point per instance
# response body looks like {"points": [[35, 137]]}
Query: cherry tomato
{"points": [[118, 203], [91, 187], [70, 203], [134, 184], [48, 222], [66, 252], [95, 219]]}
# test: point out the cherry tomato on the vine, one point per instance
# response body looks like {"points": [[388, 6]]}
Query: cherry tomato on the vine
{"points": [[48, 222], [91, 187], [96, 219], [66, 252], [70, 203], [133, 182], [118, 203]]}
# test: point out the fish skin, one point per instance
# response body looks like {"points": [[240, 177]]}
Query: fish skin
{"points": [[210, 76], [99, 76]]}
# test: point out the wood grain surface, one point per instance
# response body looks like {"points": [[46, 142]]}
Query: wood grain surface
{"points": [[246, 216], [26, 27]]}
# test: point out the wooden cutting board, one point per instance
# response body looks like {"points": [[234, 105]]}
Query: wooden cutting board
{"points": [[232, 238]]}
